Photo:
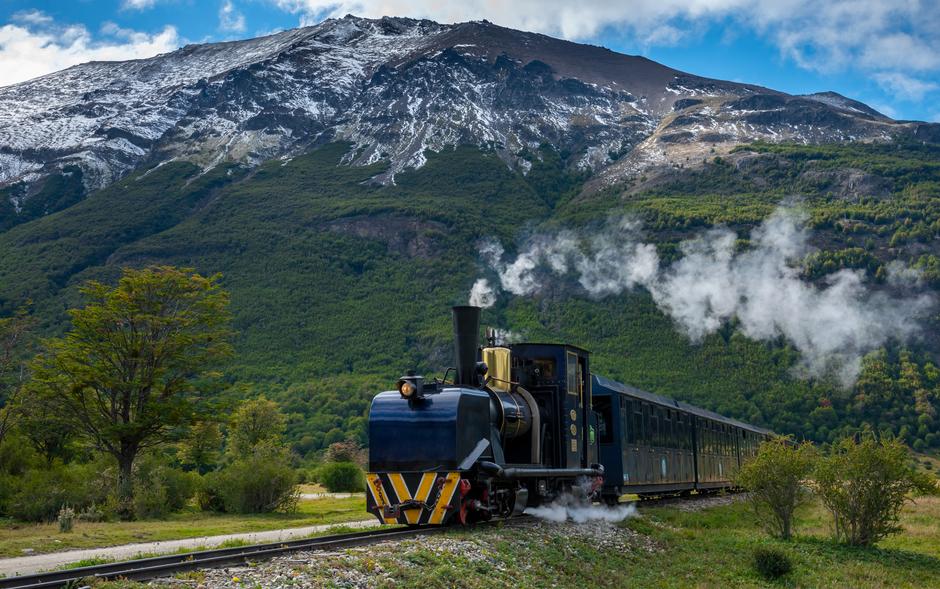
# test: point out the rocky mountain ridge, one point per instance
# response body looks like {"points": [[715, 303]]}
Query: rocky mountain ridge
{"points": [[394, 88]]}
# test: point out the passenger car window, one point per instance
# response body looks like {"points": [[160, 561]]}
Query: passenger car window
{"points": [[605, 426], [638, 433], [626, 428], [653, 437]]}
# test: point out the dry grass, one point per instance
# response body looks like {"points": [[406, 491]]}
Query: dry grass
{"points": [[43, 538], [310, 488]]}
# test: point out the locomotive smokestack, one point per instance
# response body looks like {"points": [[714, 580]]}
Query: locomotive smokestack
{"points": [[466, 341]]}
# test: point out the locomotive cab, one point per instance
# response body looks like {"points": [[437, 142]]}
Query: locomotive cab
{"points": [[512, 430], [558, 378]]}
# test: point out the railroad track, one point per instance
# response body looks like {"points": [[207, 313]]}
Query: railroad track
{"points": [[667, 500], [162, 566]]}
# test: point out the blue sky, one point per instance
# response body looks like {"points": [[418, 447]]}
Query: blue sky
{"points": [[883, 52]]}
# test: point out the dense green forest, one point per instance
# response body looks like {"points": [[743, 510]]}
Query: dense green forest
{"points": [[338, 285]]}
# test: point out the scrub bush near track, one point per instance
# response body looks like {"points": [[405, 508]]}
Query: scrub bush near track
{"points": [[772, 563], [865, 484], [340, 477], [776, 478], [261, 482], [162, 489], [39, 494]]}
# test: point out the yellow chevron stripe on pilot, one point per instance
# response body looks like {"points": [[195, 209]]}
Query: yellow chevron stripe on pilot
{"points": [[424, 491], [443, 500], [401, 489], [375, 487], [424, 488]]}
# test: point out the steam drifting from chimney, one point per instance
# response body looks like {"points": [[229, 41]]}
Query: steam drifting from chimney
{"points": [[482, 294], [832, 325]]}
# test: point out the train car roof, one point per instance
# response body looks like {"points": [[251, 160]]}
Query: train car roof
{"points": [[635, 392], [549, 344], [625, 389]]}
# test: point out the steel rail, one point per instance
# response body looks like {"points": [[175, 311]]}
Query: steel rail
{"points": [[159, 566], [666, 500]]}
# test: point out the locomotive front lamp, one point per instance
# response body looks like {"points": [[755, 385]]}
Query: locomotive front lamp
{"points": [[406, 389], [411, 386]]}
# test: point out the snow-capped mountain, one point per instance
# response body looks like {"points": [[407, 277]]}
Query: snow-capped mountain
{"points": [[395, 88]]}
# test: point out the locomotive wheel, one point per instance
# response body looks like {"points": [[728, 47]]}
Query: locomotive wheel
{"points": [[463, 514], [467, 515]]}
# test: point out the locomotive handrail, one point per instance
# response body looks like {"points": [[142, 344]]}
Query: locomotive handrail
{"points": [[519, 472]]}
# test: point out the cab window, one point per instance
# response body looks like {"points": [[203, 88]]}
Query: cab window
{"points": [[572, 373], [545, 368]]}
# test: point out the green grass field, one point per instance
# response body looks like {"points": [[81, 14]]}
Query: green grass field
{"points": [[710, 548], [664, 547], [44, 538], [713, 548]]}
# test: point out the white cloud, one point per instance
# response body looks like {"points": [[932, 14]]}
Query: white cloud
{"points": [[902, 51], [34, 17], [904, 86], [137, 4], [822, 36], [38, 46], [230, 19]]}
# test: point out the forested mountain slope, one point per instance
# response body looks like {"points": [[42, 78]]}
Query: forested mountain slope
{"points": [[352, 180], [339, 285]]}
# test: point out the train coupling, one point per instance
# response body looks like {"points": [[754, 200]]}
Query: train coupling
{"points": [[395, 511]]}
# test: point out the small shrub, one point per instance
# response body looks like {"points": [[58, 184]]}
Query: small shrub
{"points": [[92, 514], [312, 473], [66, 519], [39, 493], [771, 563], [864, 485], [209, 495], [340, 477], [262, 482], [775, 479], [161, 489]]}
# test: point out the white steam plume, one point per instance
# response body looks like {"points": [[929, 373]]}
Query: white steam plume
{"points": [[832, 325], [581, 511], [482, 294], [607, 263]]}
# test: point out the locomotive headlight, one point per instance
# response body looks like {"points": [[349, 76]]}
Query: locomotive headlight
{"points": [[407, 389], [411, 386]]}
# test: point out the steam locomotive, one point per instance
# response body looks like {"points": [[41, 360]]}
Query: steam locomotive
{"points": [[524, 424]]}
